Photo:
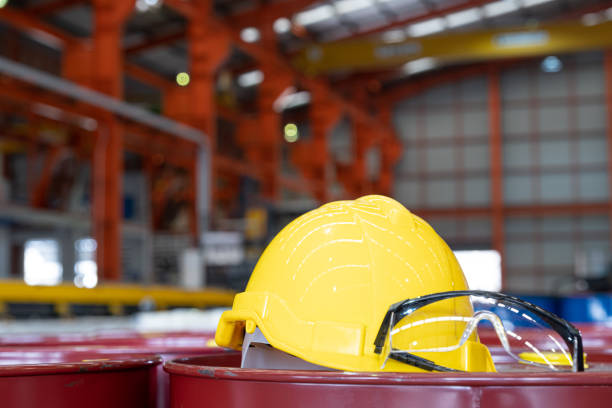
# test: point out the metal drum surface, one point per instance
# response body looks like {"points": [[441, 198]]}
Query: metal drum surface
{"points": [[166, 346], [122, 338], [76, 379], [217, 381]]}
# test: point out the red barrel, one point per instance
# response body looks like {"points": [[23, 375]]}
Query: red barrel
{"points": [[217, 381], [122, 338], [64, 379], [167, 346]]}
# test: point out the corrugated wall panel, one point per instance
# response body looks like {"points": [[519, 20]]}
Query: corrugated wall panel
{"points": [[554, 150]]}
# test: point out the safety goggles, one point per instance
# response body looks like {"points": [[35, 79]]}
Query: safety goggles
{"points": [[444, 322]]}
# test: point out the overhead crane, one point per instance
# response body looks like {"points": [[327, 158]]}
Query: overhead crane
{"points": [[367, 54]]}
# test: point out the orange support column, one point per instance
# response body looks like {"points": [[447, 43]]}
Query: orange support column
{"points": [[269, 139], [209, 45], [496, 171], [312, 157], [391, 150], [608, 85], [107, 77], [361, 142]]}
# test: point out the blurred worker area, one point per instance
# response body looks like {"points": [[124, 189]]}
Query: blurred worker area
{"points": [[151, 149]]}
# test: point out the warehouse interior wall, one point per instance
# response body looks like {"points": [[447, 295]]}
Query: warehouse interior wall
{"points": [[555, 159]]}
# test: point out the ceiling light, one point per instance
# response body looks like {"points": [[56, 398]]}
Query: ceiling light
{"points": [[315, 15], [499, 8], [250, 78], [146, 5], [521, 38], [182, 79], [250, 35], [349, 6], [288, 100], [3, 3], [419, 65], [551, 64], [393, 36], [291, 132], [531, 3], [426, 27], [591, 19], [282, 25], [463, 17], [141, 6]]}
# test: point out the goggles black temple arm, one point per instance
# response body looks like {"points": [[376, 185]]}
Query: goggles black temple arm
{"points": [[568, 332]]}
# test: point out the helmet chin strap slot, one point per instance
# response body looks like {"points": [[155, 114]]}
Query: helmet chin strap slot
{"points": [[258, 353]]}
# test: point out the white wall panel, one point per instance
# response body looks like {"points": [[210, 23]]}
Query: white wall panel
{"points": [[440, 158], [406, 124], [599, 223], [557, 253], [475, 122], [589, 78], [516, 154], [439, 125], [558, 225], [591, 116], [520, 225], [593, 151], [515, 121], [554, 153], [406, 192], [552, 85], [594, 186], [440, 95], [515, 84], [441, 193], [520, 254], [477, 191], [555, 187], [553, 119], [474, 90], [476, 156], [518, 189]]}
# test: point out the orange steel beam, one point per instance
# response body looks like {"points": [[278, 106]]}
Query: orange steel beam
{"points": [[24, 21], [496, 170], [107, 77], [207, 51], [147, 77], [312, 157], [608, 88], [156, 41], [391, 150], [53, 7], [39, 195], [272, 59]]}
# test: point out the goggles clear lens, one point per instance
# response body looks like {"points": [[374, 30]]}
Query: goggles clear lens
{"points": [[420, 330]]}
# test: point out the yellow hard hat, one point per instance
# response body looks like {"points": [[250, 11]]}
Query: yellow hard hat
{"points": [[323, 286]]}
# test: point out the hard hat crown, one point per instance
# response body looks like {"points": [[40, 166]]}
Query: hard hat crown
{"points": [[323, 285]]}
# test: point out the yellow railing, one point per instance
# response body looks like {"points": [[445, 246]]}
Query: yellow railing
{"points": [[114, 296]]}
